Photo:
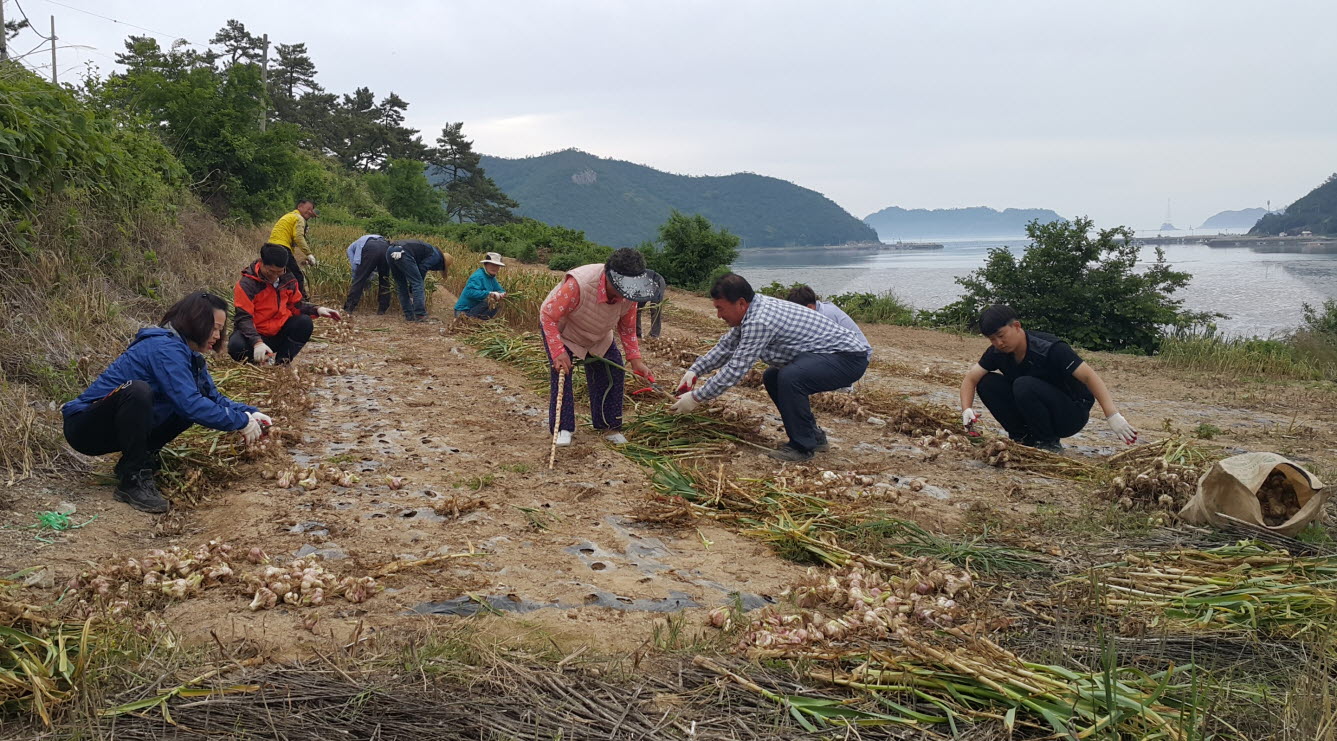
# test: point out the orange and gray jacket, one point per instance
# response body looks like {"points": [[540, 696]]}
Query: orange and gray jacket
{"points": [[261, 309]]}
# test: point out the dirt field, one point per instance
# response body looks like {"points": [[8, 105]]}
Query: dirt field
{"points": [[558, 556]]}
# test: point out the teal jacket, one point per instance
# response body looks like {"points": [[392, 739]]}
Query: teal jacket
{"points": [[476, 290]]}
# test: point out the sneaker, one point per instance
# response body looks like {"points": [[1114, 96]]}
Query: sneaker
{"points": [[564, 439], [617, 438], [788, 452], [1049, 446], [139, 491], [822, 444]]}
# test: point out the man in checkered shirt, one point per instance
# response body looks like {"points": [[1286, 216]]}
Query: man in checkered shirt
{"points": [[807, 353]]}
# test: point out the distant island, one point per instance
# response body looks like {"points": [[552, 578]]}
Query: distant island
{"points": [[1241, 219], [1315, 213], [893, 223], [622, 204]]}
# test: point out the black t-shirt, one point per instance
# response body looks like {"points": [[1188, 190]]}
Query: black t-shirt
{"points": [[1047, 358]]}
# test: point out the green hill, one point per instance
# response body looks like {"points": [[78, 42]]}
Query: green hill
{"points": [[622, 204], [895, 223], [1315, 212]]}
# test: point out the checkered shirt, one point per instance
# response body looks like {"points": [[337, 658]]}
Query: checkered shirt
{"points": [[774, 331]]}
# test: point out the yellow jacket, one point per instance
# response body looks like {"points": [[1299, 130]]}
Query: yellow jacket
{"points": [[290, 231]]}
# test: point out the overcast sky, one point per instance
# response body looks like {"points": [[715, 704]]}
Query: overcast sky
{"points": [[1106, 111]]}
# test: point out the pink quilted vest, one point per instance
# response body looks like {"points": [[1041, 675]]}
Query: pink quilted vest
{"points": [[590, 328]]}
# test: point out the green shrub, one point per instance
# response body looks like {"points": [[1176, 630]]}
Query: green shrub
{"points": [[1088, 290], [879, 308]]}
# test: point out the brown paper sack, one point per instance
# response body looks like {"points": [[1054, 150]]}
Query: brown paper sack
{"points": [[1231, 487]]}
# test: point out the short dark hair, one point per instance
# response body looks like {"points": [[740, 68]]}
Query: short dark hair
{"points": [[193, 318], [732, 287], [995, 318], [626, 261], [274, 255], [802, 294], [300, 201]]}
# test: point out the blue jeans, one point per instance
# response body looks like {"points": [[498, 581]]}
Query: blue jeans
{"points": [[410, 279], [479, 311]]}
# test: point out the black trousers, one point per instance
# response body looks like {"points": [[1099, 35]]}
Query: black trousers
{"points": [[656, 317], [290, 340], [809, 373], [123, 421], [1033, 410], [373, 263], [296, 270]]}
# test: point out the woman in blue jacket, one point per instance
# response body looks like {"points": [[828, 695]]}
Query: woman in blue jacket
{"points": [[482, 285], [153, 392]]}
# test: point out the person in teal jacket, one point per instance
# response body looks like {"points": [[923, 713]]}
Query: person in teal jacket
{"points": [[482, 294]]}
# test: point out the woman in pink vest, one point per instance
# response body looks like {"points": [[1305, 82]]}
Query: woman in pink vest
{"points": [[579, 318]]}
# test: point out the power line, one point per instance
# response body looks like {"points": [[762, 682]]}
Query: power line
{"points": [[114, 20], [31, 27]]}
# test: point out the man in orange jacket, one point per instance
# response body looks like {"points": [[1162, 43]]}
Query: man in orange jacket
{"points": [[272, 322]]}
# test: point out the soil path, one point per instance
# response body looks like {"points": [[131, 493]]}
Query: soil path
{"points": [[558, 555]]}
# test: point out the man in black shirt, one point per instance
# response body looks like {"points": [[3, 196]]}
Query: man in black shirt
{"points": [[1035, 385]]}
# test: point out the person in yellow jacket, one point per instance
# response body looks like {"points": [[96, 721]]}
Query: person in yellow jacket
{"points": [[290, 231]]}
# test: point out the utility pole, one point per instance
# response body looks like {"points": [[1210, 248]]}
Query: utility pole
{"points": [[4, 34], [53, 50], [264, 83]]}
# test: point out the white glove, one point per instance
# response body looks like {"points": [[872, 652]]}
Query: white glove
{"points": [[969, 417], [397, 255], [261, 353], [686, 383], [251, 432], [263, 418], [328, 313], [1121, 428], [686, 404], [311, 259]]}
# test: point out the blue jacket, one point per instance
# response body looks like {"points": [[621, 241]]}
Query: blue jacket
{"points": [[476, 290], [178, 376]]}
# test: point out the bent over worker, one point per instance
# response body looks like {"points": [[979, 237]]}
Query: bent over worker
{"points": [[410, 261], [367, 257], [808, 353], [290, 231], [272, 322], [1035, 385], [578, 318]]}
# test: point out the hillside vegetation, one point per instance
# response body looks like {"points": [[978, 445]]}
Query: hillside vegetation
{"points": [[896, 223], [622, 204], [1315, 212]]}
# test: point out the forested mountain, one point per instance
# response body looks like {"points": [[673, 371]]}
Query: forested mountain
{"points": [[895, 223], [1241, 219], [622, 204], [1315, 212]]}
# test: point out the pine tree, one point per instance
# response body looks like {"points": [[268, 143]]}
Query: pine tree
{"points": [[238, 43]]}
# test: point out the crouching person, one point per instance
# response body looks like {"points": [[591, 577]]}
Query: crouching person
{"points": [[1035, 385], [272, 322], [154, 391], [808, 353]]}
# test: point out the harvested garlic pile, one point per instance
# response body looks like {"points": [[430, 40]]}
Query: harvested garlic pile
{"points": [[826, 484], [1162, 485], [945, 439], [175, 572], [839, 402], [996, 454], [310, 478], [305, 583], [336, 368], [858, 603]]}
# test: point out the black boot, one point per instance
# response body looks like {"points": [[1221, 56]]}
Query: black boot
{"points": [[139, 491], [154, 462], [822, 444]]}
